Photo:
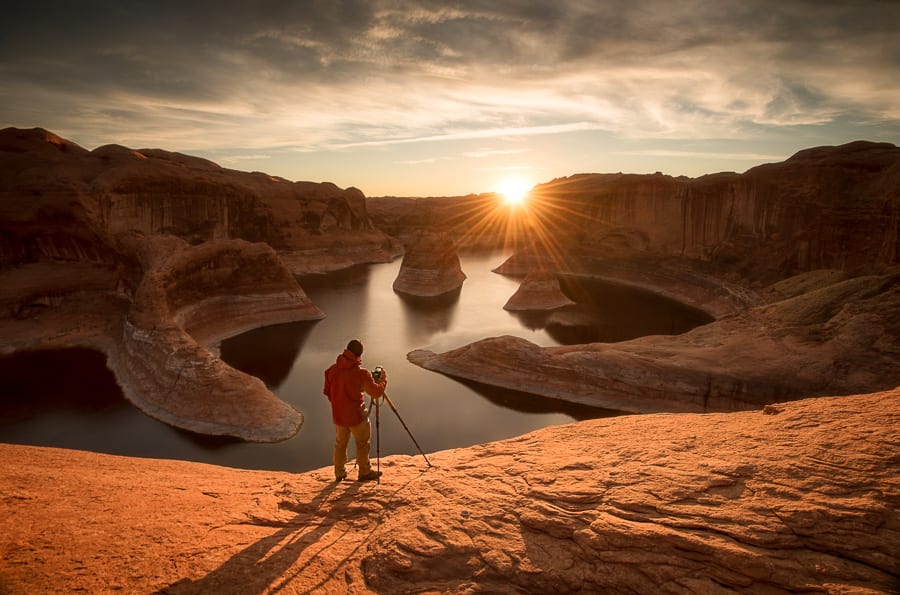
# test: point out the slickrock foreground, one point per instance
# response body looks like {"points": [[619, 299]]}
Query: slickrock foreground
{"points": [[802, 496]]}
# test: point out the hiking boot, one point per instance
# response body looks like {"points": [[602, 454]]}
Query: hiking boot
{"points": [[340, 477], [370, 475]]}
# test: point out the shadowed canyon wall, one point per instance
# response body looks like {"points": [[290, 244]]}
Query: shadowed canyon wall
{"points": [[149, 256], [60, 201]]}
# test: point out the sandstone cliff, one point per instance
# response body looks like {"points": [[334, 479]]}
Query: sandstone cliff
{"points": [[60, 201], [824, 208], [799, 497], [151, 256]]}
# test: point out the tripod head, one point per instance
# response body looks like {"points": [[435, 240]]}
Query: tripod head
{"points": [[378, 373]]}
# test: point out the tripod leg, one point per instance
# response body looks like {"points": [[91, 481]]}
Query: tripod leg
{"points": [[397, 413], [378, 438]]}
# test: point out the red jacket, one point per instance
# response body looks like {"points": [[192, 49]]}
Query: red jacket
{"points": [[345, 382]]}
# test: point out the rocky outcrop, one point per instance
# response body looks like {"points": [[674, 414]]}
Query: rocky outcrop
{"points": [[801, 496], [430, 267], [835, 339], [538, 291], [155, 329], [191, 297], [58, 200]]}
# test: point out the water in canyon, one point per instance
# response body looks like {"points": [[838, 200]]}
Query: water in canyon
{"points": [[69, 399]]}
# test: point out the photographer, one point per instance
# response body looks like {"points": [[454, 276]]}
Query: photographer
{"points": [[346, 381]]}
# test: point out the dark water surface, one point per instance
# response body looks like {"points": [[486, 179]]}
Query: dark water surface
{"points": [[69, 399]]}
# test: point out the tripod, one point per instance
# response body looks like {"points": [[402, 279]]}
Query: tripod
{"points": [[378, 432]]}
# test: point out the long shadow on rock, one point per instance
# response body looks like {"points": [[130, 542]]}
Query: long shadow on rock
{"points": [[257, 568], [269, 352]]}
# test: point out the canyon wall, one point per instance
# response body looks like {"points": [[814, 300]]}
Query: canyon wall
{"points": [[60, 201], [151, 257], [824, 208]]}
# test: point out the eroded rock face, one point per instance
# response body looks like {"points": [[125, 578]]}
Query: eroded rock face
{"points": [[430, 267], [538, 291], [800, 496], [837, 339], [828, 207], [95, 248], [60, 201], [155, 328]]}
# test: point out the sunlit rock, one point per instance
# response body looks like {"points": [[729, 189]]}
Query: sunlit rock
{"points": [[795, 497], [538, 291], [430, 267]]}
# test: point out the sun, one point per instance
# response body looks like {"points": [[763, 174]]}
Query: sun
{"points": [[514, 190]]}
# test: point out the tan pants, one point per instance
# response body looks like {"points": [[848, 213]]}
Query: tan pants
{"points": [[362, 435]]}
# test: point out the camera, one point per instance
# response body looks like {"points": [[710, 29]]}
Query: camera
{"points": [[377, 373]]}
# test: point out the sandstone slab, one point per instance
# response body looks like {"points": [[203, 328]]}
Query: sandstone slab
{"points": [[801, 496]]}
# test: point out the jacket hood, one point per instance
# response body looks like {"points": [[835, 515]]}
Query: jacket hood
{"points": [[348, 359]]}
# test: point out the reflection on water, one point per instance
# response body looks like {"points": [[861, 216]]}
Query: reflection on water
{"points": [[429, 315], [608, 312], [269, 352], [359, 303], [526, 403]]}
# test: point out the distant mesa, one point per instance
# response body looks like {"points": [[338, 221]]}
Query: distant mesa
{"points": [[430, 267], [540, 290]]}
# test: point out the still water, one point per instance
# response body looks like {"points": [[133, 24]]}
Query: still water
{"points": [[69, 399]]}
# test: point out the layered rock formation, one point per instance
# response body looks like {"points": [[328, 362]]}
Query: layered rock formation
{"points": [[155, 328], [60, 201], [538, 291], [430, 267], [828, 216], [836, 339], [824, 208], [151, 257], [798, 497]]}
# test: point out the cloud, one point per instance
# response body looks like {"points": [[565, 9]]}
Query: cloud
{"points": [[482, 153], [335, 75]]}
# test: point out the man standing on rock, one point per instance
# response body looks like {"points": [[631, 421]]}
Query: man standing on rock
{"points": [[345, 382]]}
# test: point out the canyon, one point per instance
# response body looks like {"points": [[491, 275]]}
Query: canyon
{"points": [[736, 479], [796, 262]]}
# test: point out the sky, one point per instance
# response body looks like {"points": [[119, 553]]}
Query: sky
{"points": [[434, 98]]}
